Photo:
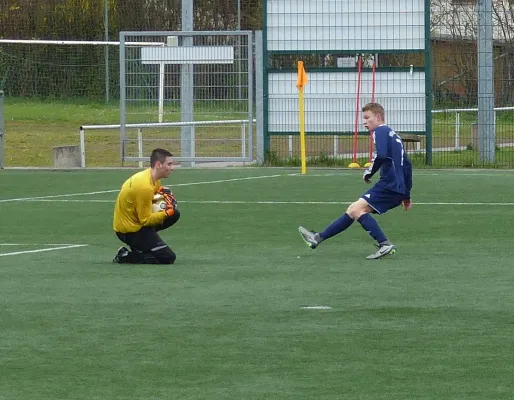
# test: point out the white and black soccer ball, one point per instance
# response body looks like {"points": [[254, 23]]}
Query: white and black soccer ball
{"points": [[158, 203]]}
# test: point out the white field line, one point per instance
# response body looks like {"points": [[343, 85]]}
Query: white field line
{"points": [[57, 196], [37, 244], [15, 253], [278, 202], [117, 190], [339, 203], [233, 179], [416, 173]]}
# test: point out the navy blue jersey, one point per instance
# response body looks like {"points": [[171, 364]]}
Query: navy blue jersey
{"points": [[394, 164]]}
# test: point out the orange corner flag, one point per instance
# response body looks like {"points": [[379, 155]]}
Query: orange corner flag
{"points": [[302, 76]]}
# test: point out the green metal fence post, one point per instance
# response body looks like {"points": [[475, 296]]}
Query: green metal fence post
{"points": [[264, 66], [1, 130], [428, 86]]}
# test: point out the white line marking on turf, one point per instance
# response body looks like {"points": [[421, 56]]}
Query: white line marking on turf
{"points": [[70, 200], [117, 190], [278, 202], [462, 204], [231, 180], [37, 244], [339, 203], [15, 253], [57, 196], [416, 173], [316, 308]]}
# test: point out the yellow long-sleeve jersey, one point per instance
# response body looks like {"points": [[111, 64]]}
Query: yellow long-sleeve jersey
{"points": [[133, 209]]}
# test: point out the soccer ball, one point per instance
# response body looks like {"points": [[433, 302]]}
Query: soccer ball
{"points": [[158, 203]]}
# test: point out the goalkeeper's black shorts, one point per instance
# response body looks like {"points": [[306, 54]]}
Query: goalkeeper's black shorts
{"points": [[150, 246]]}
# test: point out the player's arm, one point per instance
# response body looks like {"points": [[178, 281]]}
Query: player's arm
{"points": [[407, 174], [380, 157], [144, 208]]}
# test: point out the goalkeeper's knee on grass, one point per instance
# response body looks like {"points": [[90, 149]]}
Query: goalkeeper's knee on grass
{"points": [[160, 255]]}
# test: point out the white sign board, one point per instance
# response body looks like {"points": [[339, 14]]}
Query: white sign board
{"points": [[330, 101], [188, 55]]}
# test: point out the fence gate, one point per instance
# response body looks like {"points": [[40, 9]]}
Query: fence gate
{"points": [[169, 81]]}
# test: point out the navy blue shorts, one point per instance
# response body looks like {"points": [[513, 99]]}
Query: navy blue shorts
{"points": [[382, 200]]}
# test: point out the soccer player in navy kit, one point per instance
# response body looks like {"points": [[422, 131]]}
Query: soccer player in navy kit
{"points": [[392, 189]]}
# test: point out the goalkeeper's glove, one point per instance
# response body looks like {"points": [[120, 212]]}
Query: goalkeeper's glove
{"points": [[164, 190], [169, 198], [170, 208], [171, 204]]}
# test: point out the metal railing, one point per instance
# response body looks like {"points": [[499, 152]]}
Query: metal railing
{"points": [[458, 124], [140, 158]]}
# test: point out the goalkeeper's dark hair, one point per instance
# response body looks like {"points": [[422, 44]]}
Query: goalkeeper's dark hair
{"points": [[159, 155]]}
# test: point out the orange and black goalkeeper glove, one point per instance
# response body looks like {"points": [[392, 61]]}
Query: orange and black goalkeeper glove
{"points": [[171, 204], [164, 190], [169, 210]]}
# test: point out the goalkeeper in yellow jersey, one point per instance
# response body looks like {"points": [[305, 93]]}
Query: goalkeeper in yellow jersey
{"points": [[134, 222]]}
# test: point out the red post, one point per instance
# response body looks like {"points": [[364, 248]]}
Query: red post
{"points": [[357, 109], [373, 85]]}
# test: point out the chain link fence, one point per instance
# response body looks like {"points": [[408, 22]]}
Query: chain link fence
{"points": [[51, 90], [456, 51]]}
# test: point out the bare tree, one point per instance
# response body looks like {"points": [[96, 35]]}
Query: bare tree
{"points": [[454, 28]]}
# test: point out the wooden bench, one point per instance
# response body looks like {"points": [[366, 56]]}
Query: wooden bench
{"points": [[413, 141]]}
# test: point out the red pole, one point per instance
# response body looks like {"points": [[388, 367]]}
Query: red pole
{"points": [[357, 109], [374, 80], [373, 84]]}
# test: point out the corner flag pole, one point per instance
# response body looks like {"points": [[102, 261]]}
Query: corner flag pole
{"points": [[300, 84]]}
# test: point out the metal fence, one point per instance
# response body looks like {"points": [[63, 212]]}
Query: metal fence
{"points": [[458, 61], [56, 69], [2, 161], [142, 138], [188, 76], [347, 48], [62, 75]]}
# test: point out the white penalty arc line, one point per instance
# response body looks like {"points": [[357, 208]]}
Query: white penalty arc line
{"points": [[15, 253], [57, 196]]}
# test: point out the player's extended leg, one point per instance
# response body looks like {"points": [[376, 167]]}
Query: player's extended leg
{"points": [[358, 211], [361, 211], [146, 246], [354, 211], [313, 239]]}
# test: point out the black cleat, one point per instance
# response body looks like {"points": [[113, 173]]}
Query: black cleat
{"points": [[120, 255]]}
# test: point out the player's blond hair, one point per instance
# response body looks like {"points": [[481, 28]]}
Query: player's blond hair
{"points": [[375, 108]]}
